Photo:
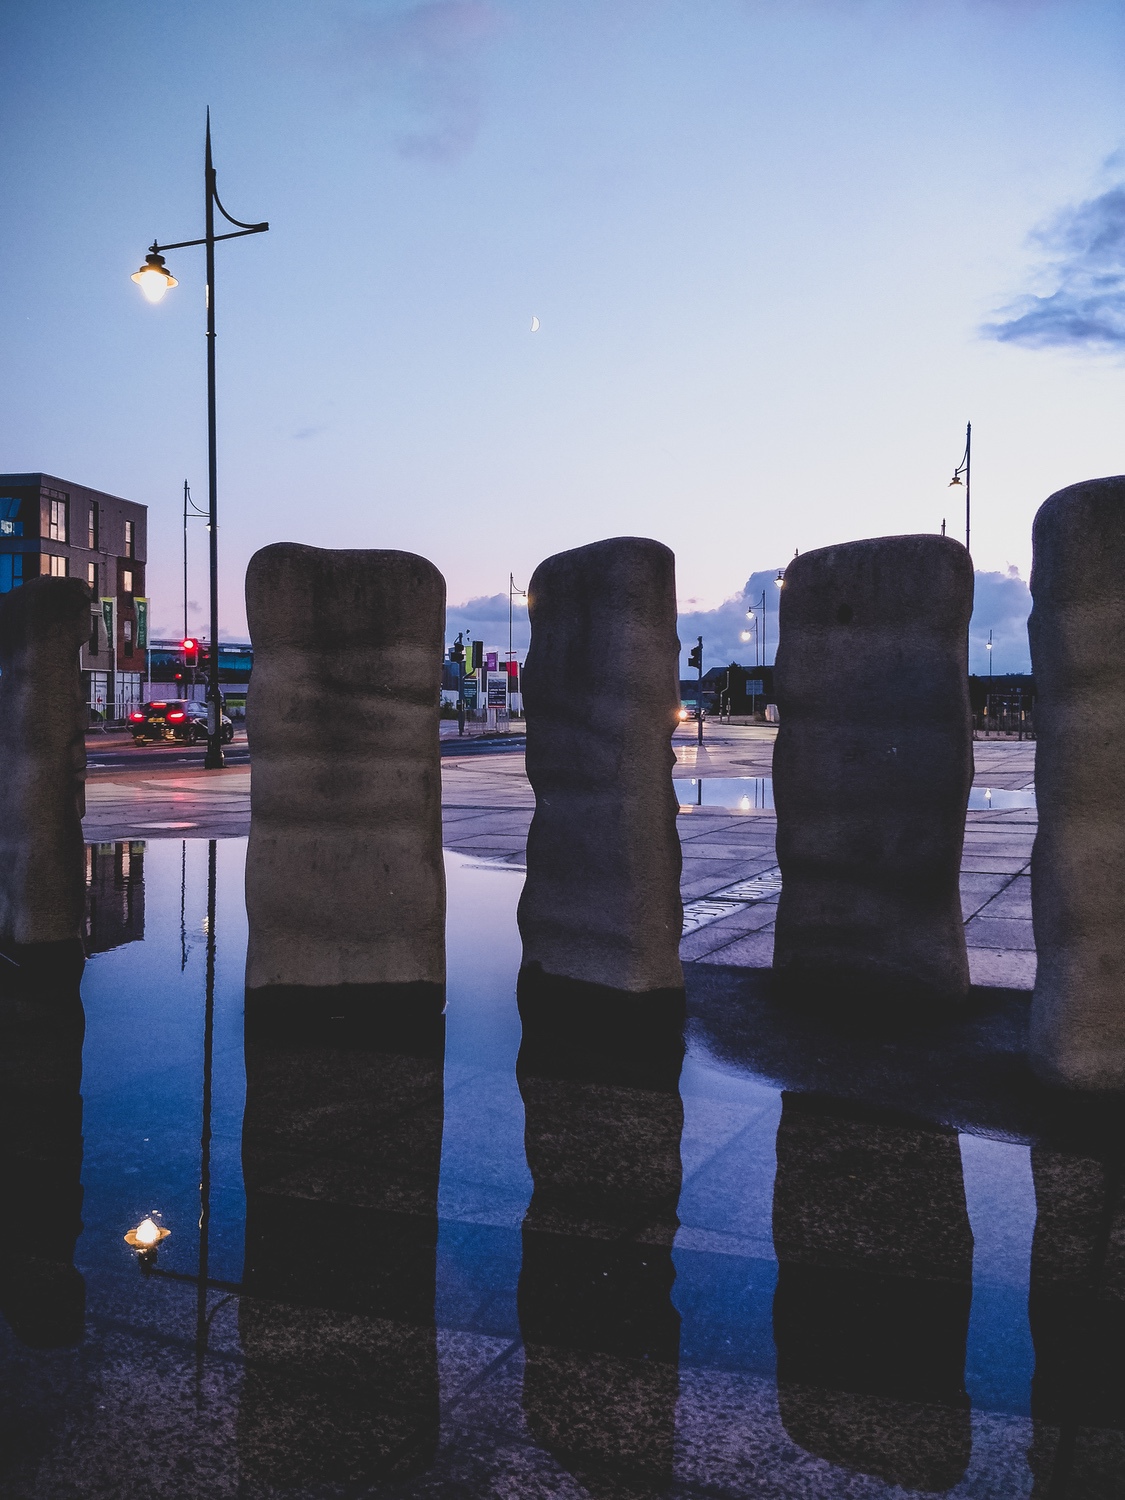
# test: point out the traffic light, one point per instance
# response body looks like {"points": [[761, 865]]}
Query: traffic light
{"points": [[203, 650], [478, 655], [696, 657], [457, 650], [190, 648]]}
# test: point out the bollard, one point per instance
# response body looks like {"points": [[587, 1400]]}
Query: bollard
{"points": [[1077, 635], [42, 761], [345, 884], [601, 694], [872, 770]]}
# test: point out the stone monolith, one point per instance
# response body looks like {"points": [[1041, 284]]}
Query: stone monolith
{"points": [[344, 878], [42, 761], [601, 692], [1077, 634], [872, 770]]}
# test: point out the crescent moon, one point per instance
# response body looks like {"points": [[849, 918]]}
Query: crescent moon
{"points": [[534, 325]]}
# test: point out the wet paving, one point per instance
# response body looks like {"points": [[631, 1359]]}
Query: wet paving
{"points": [[550, 1243]]}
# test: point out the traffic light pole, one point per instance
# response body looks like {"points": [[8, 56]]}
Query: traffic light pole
{"points": [[699, 693]]}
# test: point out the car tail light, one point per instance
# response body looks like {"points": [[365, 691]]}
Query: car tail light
{"points": [[174, 718], [137, 718]]}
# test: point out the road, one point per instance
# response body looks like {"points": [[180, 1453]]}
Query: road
{"points": [[118, 755]]}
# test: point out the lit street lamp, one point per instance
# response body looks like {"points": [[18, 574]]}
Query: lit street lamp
{"points": [[964, 467], [154, 279]]}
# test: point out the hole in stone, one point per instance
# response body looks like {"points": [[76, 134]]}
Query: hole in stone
{"points": [[844, 614]]}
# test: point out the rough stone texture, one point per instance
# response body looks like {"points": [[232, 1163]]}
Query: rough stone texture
{"points": [[872, 769], [344, 877], [1077, 633], [601, 692], [42, 761]]}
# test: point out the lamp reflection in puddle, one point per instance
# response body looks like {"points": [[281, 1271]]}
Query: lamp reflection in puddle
{"points": [[145, 1240]]}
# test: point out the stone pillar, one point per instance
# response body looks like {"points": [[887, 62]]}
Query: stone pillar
{"points": [[1077, 633], [874, 1286], [42, 761], [872, 770], [345, 884], [601, 693]]}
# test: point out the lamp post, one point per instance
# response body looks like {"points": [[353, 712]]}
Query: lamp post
{"points": [[964, 467], [154, 279]]}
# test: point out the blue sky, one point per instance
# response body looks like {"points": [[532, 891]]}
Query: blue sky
{"points": [[780, 253]]}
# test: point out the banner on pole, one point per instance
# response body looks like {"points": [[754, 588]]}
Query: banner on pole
{"points": [[142, 623]]}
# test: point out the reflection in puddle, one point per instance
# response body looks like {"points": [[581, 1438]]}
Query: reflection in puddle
{"points": [[392, 1241], [755, 794]]}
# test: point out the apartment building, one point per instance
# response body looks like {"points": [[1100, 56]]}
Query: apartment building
{"points": [[55, 528]]}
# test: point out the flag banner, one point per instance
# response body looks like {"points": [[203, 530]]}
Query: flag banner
{"points": [[142, 623], [108, 607]]}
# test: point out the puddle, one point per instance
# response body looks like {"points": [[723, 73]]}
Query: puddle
{"points": [[755, 794], [710, 1178]]}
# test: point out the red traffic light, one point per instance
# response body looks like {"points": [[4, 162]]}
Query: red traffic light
{"points": [[189, 645]]}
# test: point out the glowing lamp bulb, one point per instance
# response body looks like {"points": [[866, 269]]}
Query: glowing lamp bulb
{"points": [[744, 805], [683, 713], [147, 1234], [154, 277], [745, 635]]}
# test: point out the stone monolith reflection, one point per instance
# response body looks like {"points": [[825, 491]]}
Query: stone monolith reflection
{"points": [[341, 1148], [1077, 634], [42, 1294], [602, 899], [872, 769], [1076, 1309], [598, 1074], [344, 877], [42, 761], [874, 1285]]}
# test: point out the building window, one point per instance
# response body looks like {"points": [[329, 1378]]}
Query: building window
{"points": [[92, 577], [92, 540], [11, 571], [95, 619], [56, 566], [9, 510], [130, 538], [127, 627], [56, 526], [126, 580]]}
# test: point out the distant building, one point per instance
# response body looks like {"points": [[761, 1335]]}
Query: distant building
{"points": [[51, 527]]}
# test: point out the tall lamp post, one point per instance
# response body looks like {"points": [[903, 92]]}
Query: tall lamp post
{"points": [[964, 467], [154, 279]]}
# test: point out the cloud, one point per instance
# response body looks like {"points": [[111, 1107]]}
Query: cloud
{"points": [[1087, 308], [1002, 603], [422, 57]]}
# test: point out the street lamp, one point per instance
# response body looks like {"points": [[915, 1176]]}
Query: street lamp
{"points": [[965, 467], [154, 279]]}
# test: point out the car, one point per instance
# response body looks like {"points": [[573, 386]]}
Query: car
{"points": [[181, 721]]}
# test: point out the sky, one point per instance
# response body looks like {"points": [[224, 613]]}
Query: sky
{"points": [[780, 251]]}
